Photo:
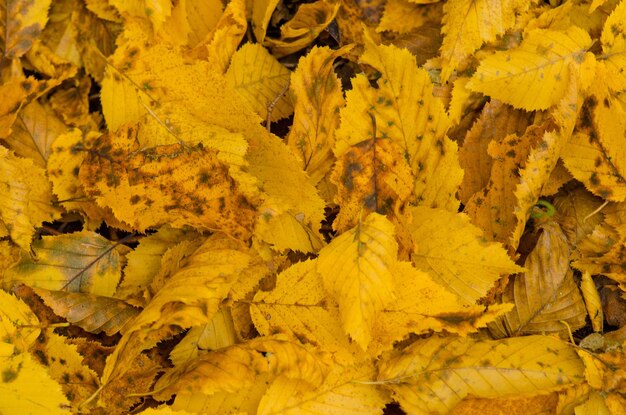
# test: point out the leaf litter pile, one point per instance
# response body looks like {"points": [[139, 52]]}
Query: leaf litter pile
{"points": [[321, 207]]}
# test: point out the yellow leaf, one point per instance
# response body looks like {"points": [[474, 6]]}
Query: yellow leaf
{"points": [[165, 410], [540, 163], [284, 231], [22, 23], [25, 198], [168, 184], [237, 367], [496, 121], [26, 388], [224, 39], [65, 365], [34, 131], [143, 263], [298, 305], [176, 29], [242, 402], [155, 11], [79, 262], [356, 270], [218, 333], [545, 295], [536, 74], [467, 24], [402, 16], [341, 393], [92, 313], [595, 405], [262, 11], [592, 301], [408, 114], [19, 326], [422, 305], [260, 79], [455, 253], [202, 17], [614, 47], [574, 208], [189, 296], [433, 375], [493, 207], [318, 97], [299, 32], [372, 176]]}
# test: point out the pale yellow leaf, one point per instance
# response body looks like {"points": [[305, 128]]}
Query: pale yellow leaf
{"points": [[25, 198], [455, 253], [356, 270], [470, 23], [536, 74], [433, 375], [260, 79]]}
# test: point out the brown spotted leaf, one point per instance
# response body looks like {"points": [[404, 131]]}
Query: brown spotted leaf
{"points": [[21, 23]]}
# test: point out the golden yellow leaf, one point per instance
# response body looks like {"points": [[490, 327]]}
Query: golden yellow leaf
{"points": [[298, 305], [260, 79], [175, 29], [154, 11], [19, 326], [540, 163], [318, 98], [341, 393], [26, 388], [79, 262], [467, 24], [496, 121], [493, 207], [189, 296], [614, 47], [143, 263], [595, 405], [22, 23], [35, 128], [406, 112], [60, 34], [402, 16], [422, 305], [224, 39], [372, 176], [202, 17], [242, 402], [25, 198], [218, 333], [541, 404], [92, 313], [433, 375], [285, 231], [536, 74], [356, 271], [164, 410], [545, 295], [455, 253], [308, 22], [592, 301], [262, 11], [236, 368], [574, 208]]}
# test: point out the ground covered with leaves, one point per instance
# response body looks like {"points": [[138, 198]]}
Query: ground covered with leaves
{"points": [[312, 207]]}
